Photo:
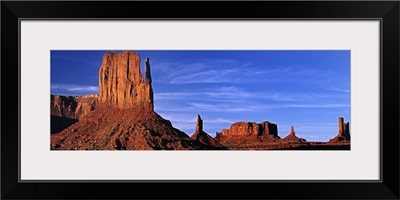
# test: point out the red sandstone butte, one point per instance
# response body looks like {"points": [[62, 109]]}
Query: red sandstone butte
{"points": [[122, 84], [248, 132], [124, 118], [249, 129]]}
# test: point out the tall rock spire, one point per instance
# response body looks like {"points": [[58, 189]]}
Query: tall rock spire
{"points": [[147, 71], [121, 83], [203, 137], [199, 125], [292, 132], [341, 126]]}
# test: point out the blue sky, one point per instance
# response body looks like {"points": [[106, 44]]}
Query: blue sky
{"points": [[305, 89]]}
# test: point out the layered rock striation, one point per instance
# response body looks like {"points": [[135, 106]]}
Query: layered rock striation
{"points": [[249, 133], [67, 110], [73, 107], [122, 84]]}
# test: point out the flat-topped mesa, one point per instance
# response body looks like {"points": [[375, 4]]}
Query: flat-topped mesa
{"points": [[250, 129], [121, 83]]}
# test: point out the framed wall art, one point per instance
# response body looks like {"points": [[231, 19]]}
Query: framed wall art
{"points": [[298, 96]]}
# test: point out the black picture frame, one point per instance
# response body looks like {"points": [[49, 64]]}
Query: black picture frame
{"points": [[386, 11]]}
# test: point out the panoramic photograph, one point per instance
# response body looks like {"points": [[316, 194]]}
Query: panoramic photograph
{"points": [[200, 100]]}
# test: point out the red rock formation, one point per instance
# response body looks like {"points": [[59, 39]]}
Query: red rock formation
{"points": [[343, 136], [86, 104], [241, 129], [269, 128], [123, 129], [346, 130], [250, 129], [199, 124], [292, 137], [73, 107], [124, 118], [147, 71], [122, 84], [62, 106], [248, 135], [203, 137], [66, 110], [341, 127]]}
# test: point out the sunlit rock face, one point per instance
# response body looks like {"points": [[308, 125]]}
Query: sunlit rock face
{"points": [[122, 84]]}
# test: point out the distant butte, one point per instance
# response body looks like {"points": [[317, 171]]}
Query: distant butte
{"points": [[248, 134]]}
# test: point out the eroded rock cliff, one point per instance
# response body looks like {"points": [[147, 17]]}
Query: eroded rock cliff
{"points": [[249, 133], [250, 129], [122, 84], [67, 110]]}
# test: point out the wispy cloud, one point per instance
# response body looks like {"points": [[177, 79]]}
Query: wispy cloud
{"points": [[203, 106], [316, 105], [231, 71], [220, 121], [235, 94], [227, 107], [74, 88], [339, 89], [239, 93], [177, 95]]}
